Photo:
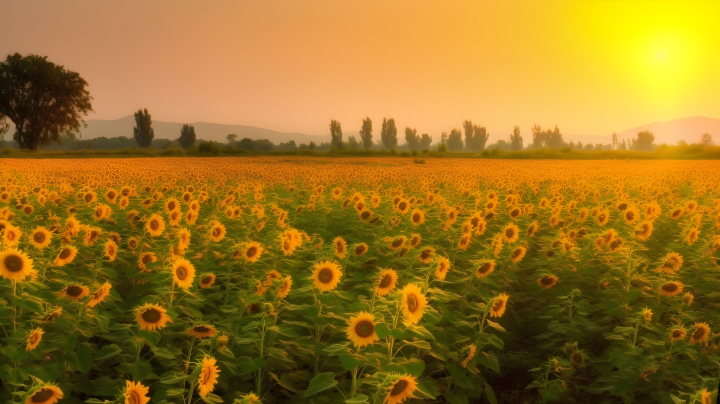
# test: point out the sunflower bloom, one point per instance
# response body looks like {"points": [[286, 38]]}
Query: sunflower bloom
{"points": [[340, 246], [202, 331], [208, 376], [15, 265], [443, 265], [183, 273], [44, 394], [34, 339], [386, 282], [401, 389], [100, 295], [547, 282], [700, 334], [499, 305], [155, 226], [361, 330], [151, 317], [253, 250], [326, 275], [413, 303], [135, 393]]}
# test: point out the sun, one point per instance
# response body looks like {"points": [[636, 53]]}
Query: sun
{"points": [[662, 55]]}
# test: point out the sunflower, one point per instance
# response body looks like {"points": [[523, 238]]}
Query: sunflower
{"points": [[426, 255], [11, 235], [413, 303], [511, 233], [40, 238], [99, 295], [675, 214], [110, 250], [15, 265], [151, 316], [671, 289], [403, 206], [44, 394], [644, 231], [207, 281], [172, 205], [415, 240], [217, 232], [692, 236], [548, 281], [688, 298], [340, 246], [208, 376], [386, 282], [498, 307], [284, 290], [705, 397], [183, 273], [184, 237], [417, 217], [677, 334], [576, 358], [361, 330], [33, 339], [155, 225], [401, 389], [485, 269], [253, 250], [91, 235], [51, 316], [701, 333], [326, 275], [602, 217], [361, 249], [443, 265], [135, 393], [74, 292], [471, 349], [534, 226], [144, 259], [397, 243], [672, 263], [647, 314], [518, 254], [202, 331], [631, 215]]}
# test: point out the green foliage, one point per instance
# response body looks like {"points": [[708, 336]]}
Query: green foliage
{"points": [[388, 133], [516, 140], [187, 136], [42, 100], [366, 133], [336, 134]]}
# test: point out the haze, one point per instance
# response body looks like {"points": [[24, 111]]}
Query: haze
{"points": [[592, 67]]}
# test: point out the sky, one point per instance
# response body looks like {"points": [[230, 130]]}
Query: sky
{"points": [[591, 67]]}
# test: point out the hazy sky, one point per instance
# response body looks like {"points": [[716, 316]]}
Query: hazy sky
{"points": [[592, 67]]}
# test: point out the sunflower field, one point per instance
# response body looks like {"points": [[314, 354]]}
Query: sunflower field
{"points": [[367, 280]]}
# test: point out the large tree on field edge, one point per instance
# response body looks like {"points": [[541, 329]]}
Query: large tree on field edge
{"points": [[42, 99]]}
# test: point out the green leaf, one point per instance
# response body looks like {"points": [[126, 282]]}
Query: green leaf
{"points": [[496, 326], [82, 359], [358, 399], [414, 367], [427, 389], [15, 353], [107, 351], [488, 360], [150, 337], [490, 393], [419, 344], [248, 364], [69, 344], [139, 371], [336, 349], [350, 360], [321, 382]]}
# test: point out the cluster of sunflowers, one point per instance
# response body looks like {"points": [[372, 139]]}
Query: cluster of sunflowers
{"points": [[274, 280]]}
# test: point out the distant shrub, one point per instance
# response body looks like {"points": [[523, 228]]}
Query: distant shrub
{"points": [[208, 148], [442, 148], [565, 149], [418, 161]]}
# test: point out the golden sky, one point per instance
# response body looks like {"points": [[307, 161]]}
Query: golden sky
{"points": [[592, 67]]}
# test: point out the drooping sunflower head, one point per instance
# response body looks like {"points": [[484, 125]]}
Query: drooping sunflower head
{"points": [[202, 331], [548, 281], [443, 266], [99, 295], [688, 298], [400, 388], [135, 393], [386, 282], [285, 287], [361, 330], [183, 273], [74, 292], [644, 231], [499, 305], [677, 334], [415, 240], [207, 280], [43, 394], [152, 316], [413, 303], [467, 354], [700, 334], [340, 246], [326, 275], [426, 255], [33, 339], [518, 254], [485, 268], [15, 265], [647, 314], [361, 249]]}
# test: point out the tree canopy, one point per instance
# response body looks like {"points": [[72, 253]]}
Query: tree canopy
{"points": [[388, 133], [366, 133], [43, 100], [336, 134], [143, 130], [187, 136]]}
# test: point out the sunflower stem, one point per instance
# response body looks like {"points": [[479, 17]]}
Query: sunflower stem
{"points": [[172, 293], [482, 323]]}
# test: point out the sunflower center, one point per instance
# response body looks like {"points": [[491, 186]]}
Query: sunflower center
{"points": [[498, 305], [602, 217], [216, 231], [42, 395], [547, 280], [676, 333], [416, 218], [251, 252], [88, 197], [151, 315], [135, 397], [10, 235], [154, 224], [398, 388], [698, 334], [484, 268], [33, 339], [397, 243], [74, 290], [13, 263], [94, 234], [201, 328], [385, 282], [207, 279], [171, 205], [364, 328], [181, 273], [146, 258], [517, 253], [360, 249], [412, 303], [670, 287], [39, 237], [509, 233], [402, 205], [630, 215], [325, 275]]}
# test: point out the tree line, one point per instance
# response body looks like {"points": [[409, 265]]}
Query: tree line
{"points": [[47, 103]]}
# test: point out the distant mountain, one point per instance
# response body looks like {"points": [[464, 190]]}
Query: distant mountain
{"points": [[203, 130], [671, 132]]}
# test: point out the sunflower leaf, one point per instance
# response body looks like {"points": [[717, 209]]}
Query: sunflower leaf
{"points": [[321, 382], [496, 326]]}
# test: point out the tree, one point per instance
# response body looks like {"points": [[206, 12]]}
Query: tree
{"points": [[516, 141], [412, 139], [353, 144], [623, 145], [480, 138], [614, 141], [42, 99], [366, 133], [187, 136], [443, 138], [143, 130], [706, 139], [246, 143], [231, 138], [455, 141], [336, 134], [388, 133], [644, 141], [4, 127], [579, 145], [425, 141], [554, 138], [312, 145], [538, 137], [469, 134]]}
